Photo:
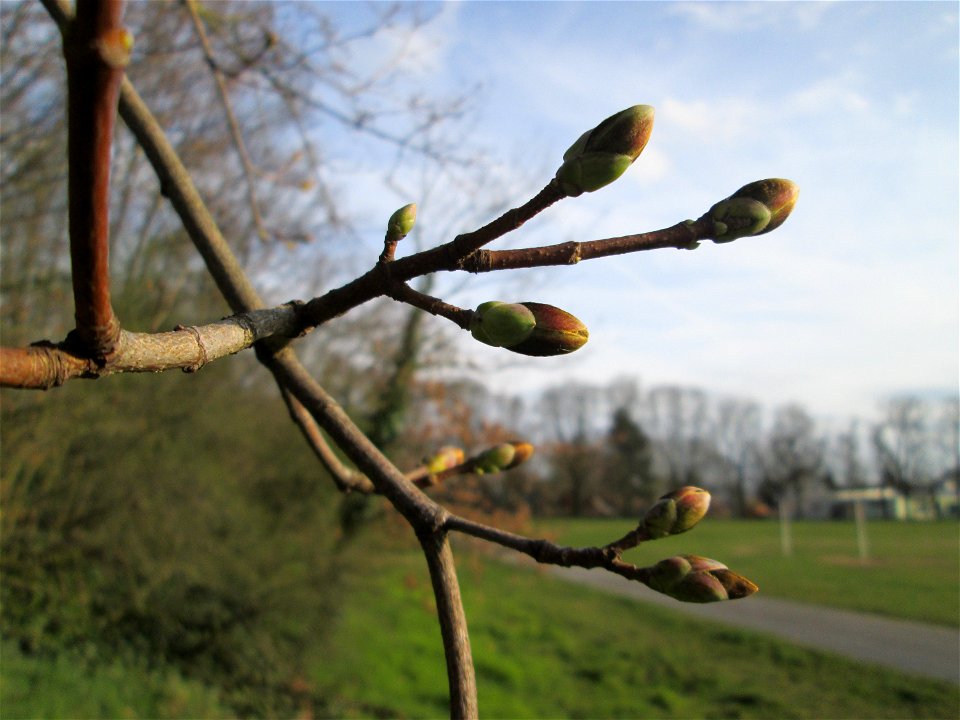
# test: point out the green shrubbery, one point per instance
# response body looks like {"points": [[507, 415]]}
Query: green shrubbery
{"points": [[169, 520]]}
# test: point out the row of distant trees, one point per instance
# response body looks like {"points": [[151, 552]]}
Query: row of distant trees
{"points": [[611, 449]]}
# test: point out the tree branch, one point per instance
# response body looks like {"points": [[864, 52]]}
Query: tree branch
{"points": [[346, 478], [453, 625], [45, 365], [685, 235], [96, 48]]}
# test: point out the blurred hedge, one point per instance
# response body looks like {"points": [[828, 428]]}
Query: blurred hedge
{"points": [[177, 519]]}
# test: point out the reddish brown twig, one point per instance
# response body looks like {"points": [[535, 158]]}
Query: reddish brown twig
{"points": [[95, 46], [684, 235]]}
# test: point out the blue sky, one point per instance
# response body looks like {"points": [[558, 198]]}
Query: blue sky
{"points": [[853, 300]]}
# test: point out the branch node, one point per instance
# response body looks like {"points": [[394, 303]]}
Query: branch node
{"points": [[203, 350]]}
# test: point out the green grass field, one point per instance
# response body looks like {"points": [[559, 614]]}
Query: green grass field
{"points": [[544, 648], [912, 571], [68, 687]]}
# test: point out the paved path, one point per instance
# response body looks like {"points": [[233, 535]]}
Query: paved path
{"points": [[912, 647]]}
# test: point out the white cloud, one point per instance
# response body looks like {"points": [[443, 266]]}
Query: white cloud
{"points": [[743, 17]]}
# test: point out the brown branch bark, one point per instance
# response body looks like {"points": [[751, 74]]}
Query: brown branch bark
{"points": [[453, 625], [94, 46], [346, 478], [448, 256], [401, 292], [45, 365], [684, 235]]}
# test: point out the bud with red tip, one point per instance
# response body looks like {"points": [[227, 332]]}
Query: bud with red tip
{"points": [[754, 209], [603, 154], [528, 328], [676, 512]]}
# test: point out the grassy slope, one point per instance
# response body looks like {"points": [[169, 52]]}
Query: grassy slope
{"points": [[912, 571], [544, 648], [70, 687]]}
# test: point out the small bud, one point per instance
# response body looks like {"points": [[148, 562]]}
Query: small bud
{"points": [[115, 47], [754, 209], [603, 154], [528, 328], [676, 512], [556, 332], [401, 222], [502, 324], [495, 459], [698, 587], [444, 459], [691, 578]]}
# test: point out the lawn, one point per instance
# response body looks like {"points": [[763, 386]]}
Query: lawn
{"points": [[913, 570], [545, 648]]}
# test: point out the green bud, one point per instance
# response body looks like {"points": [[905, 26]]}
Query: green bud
{"points": [[444, 459], [591, 172], [676, 512], [738, 217], [754, 209], [667, 573], [603, 154], [502, 324], [528, 328], [401, 222], [495, 459]]}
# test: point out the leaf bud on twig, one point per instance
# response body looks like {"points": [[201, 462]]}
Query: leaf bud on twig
{"points": [[496, 459], [528, 328], [115, 46], [444, 459], [603, 154], [676, 512], [695, 579], [754, 209], [401, 222]]}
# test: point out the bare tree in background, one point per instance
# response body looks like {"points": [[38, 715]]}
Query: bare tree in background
{"points": [[794, 458], [97, 49], [737, 431]]}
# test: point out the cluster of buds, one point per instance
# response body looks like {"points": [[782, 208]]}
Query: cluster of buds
{"points": [[695, 579], [675, 513], [528, 328], [504, 456], [754, 209], [603, 154]]}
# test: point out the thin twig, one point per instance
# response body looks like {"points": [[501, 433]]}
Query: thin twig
{"points": [[346, 478], [684, 235], [235, 133], [401, 292]]}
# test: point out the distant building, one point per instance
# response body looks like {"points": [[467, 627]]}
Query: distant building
{"points": [[939, 500]]}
